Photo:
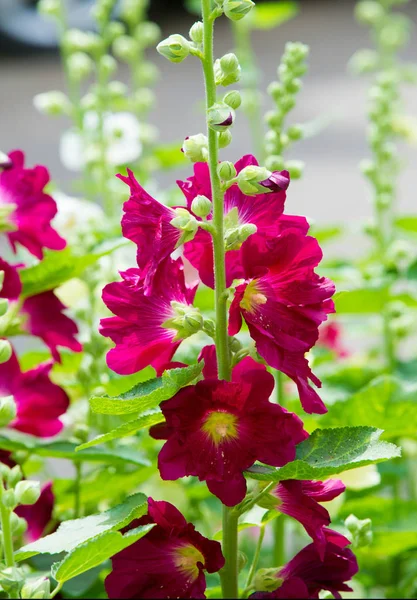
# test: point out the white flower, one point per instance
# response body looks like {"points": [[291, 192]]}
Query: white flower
{"points": [[361, 478], [122, 134], [75, 216]]}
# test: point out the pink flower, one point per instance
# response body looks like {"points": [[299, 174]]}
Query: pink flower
{"points": [[283, 302], [38, 515], [263, 210], [215, 430], [44, 313], [141, 329], [168, 562], [147, 223], [33, 209], [300, 500], [39, 402], [306, 575], [330, 335]]}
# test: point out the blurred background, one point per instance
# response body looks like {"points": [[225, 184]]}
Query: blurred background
{"points": [[332, 188]]}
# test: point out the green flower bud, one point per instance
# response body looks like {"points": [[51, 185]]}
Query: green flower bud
{"points": [[369, 12], [226, 171], [50, 8], [275, 163], [52, 103], [397, 309], [296, 168], [233, 99], [242, 561], [36, 588], [209, 327], [4, 304], [187, 320], [114, 30], [195, 148], [126, 48], [143, 99], [220, 117], [248, 179], [147, 34], [147, 73], [235, 344], [273, 119], [364, 61], [27, 492], [107, 65], [18, 524], [235, 237], [197, 32], [201, 206], [400, 253], [8, 410], [5, 355], [361, 530], [266, 580], [193, 322], [8, 499], [185, 222], [403, 326], [11, 580], [237, 9], [227, 70], [89, 101], [175, 48], [80, 65], [276, 90], [117, 89], [225, 137], [75, 40], [295, 132], [14, 476]]}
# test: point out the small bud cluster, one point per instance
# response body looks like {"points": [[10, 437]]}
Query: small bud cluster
{"points": [[284, 92], [360, 530], [5, 349]]}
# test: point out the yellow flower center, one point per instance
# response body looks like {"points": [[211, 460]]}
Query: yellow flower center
{"points": [[220, 426], [186, 559], [252, 297]]}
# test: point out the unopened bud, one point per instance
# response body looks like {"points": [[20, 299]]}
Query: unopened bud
{"points": [[233, 99], [17, 524], [242, 561], [201, 206], [361, 531], [76, 40], [195, 148], [193, 322], [220, 117], [27, 492], [8, 410], [295, 132], [8, 499], [235, 237], [226, 171], [52, 103], [50, 8], [14, 476], [147, 34], [197, 32], [295, 168], [107, 65], [117, 89], [237, 9], [275, 163], [36, 588], [175, 48], [209, 327], [267, 580], [225, 137], [248, 179], [185, 222], [369, 12], [125, 48], [114, 30], [5, 355], [227, 70], [80, 65]]}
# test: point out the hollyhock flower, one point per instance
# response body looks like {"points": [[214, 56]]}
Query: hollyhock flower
{"points": [[265, 211], [39, 402], [283, 302], [145, 328], [76, 216], [32, 210], [330, 335], [215, 430], [38, 515], [300, 500], [168, 562], [306, 575]]}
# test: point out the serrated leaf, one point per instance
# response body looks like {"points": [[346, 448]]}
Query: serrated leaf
{"points": [[92, 553], [147, 395], [58, 267], [73, 533], [126, 429], [272, 14], [329, 452], [15, 440]]}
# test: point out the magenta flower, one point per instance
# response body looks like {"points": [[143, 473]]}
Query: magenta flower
{"points": [[33, 209], [265, 211], [300, 500], [215, 430], [306, 575], [38, 515], [147, 223], [330, 336], [12, 286], [283, 302], [141, 329], [277, 181], [39, 402], [168, 562]]}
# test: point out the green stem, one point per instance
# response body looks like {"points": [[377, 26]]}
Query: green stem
{"points": [[278, 551], [77, 489], [6, 531], [229, 573], [256, 556], [245, 506], [57, 590]]}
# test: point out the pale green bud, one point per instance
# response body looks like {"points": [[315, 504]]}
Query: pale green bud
{"points": [[226, 171], [235, 237], [201, 206], [242, 561], [117, 89], [369, 12], [50, 8], [276, 90], [397, 309], [125, 48], [364, 61], [185, 222], [147, 73], [144, 99], [237, 9], [275, 163], [400, 253], [197, 32], [361, 530], [76, 40], [227, 70], [80, 65], [195, 148], [114, 30], [8, 499], [4, 305], [193, 322], [27, 492], [267, 580], [147, 34], [36, 589], [403, 326], [235, 344], [107, 65], [14, 476], [8, 410], [175, 48], [53, 103], [89, 101], [225, 137], [11, 580], [186, 320], [18, 524], [248, 179], [295, 167], [233, 99], [209, 327], [295, 132], [5, 355], [220, 117]]}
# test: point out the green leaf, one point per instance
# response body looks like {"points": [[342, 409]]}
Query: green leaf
{"points": [[364, 300], [326, 234], [407, 223], [385, 402], [58, 267], [93, 552], [73, 533], [148, 395], [16, 441], [329, 452], [169, 156], [272, 14], [126, 429]]}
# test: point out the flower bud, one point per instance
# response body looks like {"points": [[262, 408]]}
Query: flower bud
{"points": [[195, 148], [237, 9], [295, 168], [185, 222], [117, 89], [250, 177], [8, 410], [364, 61], [235, 237], [52, 103], [361, 530], [14, 476], [220, 117], [197, 32], [8, 499], [201, 206], [11, 581], [175, 48], [27, 492], [369, 12], [295, 132], [5, 355], [225, 137], [5, 161], [75, 40], [125, 48], [266, 580], [147, 34], [36, 588], [193, 321], [107, 65], [209, 327], [242, 561], [227, 70], [233, 99], [143, 99], [18, 524], [275, 163], [50, 8], [80, 65], [114, 30], [4, 304], [226, 171]]}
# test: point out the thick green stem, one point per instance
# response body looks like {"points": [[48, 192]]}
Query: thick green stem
{"points": [[230, 572], [6, 531], [278, 551]]}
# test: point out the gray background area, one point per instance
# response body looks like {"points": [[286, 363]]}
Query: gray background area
{"points": [[332, 189]]}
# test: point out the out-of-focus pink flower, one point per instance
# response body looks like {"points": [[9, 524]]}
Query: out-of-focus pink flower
{"points": [[330, 336], [33, 209], [168, 562], [38, 515]]}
